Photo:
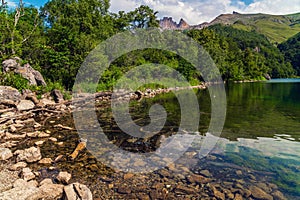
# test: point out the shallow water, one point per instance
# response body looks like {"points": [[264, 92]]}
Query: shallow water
{"points": [[259, 142]]}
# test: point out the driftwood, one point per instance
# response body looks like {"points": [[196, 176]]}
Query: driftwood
{"points": [[80, 147]]}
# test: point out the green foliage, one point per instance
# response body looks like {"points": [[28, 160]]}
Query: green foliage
{"points": [[57, 39], [252, 54], [291, 51], [14, 80], [277, 28]]}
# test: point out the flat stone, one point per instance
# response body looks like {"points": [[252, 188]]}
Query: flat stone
{"points": [[64, 177], [52, 139], [43, 135], [239, 172], [19, 183], [128, 176], [51, 191], [18, 166], [12, 128], [46, 161], [23, 193], [77, 191], [124, 190], [184, 190], [205, 173], [238, 197], [39, 143], [9, 93], [27, 174], [7, 178], [218, 194], [194, 178], [46, 181], [5, 154], [10, 136], [278, 195], [33, 134], [30, 155], [25, 105], [259, 193]]}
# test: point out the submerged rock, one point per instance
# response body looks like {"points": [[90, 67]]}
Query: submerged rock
{"points": [[258, 193]]}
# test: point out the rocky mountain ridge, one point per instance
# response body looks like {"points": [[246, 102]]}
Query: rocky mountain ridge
{"points": [[278, 28], [229, 19]]}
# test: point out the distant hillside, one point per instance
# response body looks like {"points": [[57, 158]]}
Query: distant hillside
{"points": [[277, 28], [291, 51]]}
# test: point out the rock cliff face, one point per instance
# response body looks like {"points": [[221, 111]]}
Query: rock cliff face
{"points": [[167, 23], [250, 20], [33, 76]]}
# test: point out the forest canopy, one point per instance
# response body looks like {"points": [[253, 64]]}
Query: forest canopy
{"points": [[57, 38]]}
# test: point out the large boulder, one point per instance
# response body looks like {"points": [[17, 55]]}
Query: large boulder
{"points": [[33, 76], [57, 96], [8, 93], [11, 64]]}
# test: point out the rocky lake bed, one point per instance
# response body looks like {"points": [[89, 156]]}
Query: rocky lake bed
{"points": [[43, 157]]}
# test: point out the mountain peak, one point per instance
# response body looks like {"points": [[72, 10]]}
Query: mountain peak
{"points": [[169, 24]]}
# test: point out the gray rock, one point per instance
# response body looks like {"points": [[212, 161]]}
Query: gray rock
{"points": [[49, 191], [8, 93], [46, 161], [25, 105], [258, 193], [20, 193], [77, 191], [18, 166], [39, 78], [278, 195], [46, 181], [30, 155], [7, 178], [5, 154], [11, 64], [57, 96], [27, 174], [205, 173], [33, 76], [64, 177]]}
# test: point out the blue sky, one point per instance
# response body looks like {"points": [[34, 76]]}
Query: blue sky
{"points": [[198, 11]]}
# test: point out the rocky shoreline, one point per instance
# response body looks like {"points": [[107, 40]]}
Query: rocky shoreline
{"points": [[22, 121]]}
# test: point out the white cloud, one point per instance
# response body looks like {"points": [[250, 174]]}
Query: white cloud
{"points": [[198, 11], [12, 4]]}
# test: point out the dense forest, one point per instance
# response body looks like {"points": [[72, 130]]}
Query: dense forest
{"points": [[56, 39], [291, 51]]}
